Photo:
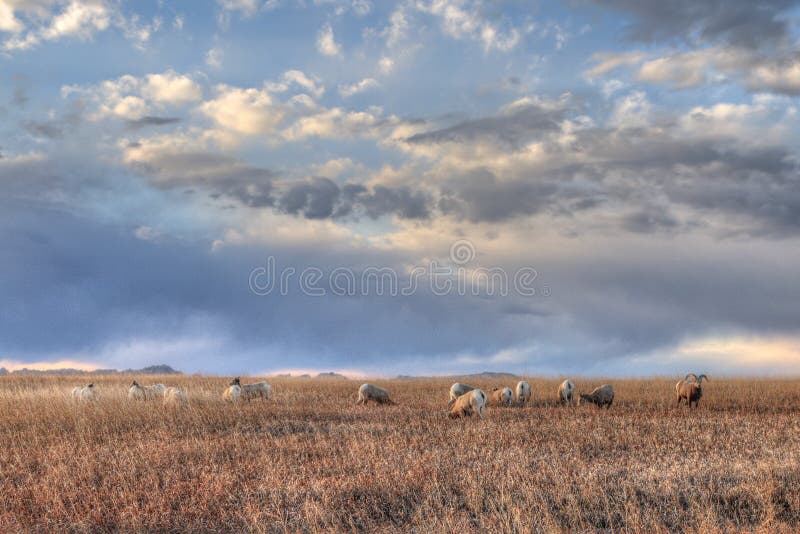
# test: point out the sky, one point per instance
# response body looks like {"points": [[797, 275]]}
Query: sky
{"points": [[417, 187]]}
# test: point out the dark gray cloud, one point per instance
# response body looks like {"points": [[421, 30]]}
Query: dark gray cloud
{"points": [[19, 96], [742, 23], [49, 129], [321, 198], [138, 124], [753, 190], [512, 128]]}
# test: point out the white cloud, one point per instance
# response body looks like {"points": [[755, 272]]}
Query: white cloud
{"points": [[37, 21], [130, 97], [214, 58], [462, 19], [246, 7], [326, 44], [243, 111], [386, 65], [632, 110], [359, 87], [171, 88], [780, 76], [336, 122]]}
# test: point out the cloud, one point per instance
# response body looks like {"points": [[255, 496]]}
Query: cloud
{"points": [[740, 23], [359, 87], [245, 7], [243, 111], [321, 198], [150, 120], [130, 97], [463, 19], [326, 44], [179, 162], [32, 23], [214, 57], [519, 123], [338, 123]]}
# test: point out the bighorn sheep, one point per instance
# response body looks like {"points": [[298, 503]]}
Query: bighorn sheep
{"points": [[234, 391], [565, 392], [601, 396], [691, 390], [371, 392], [502, 397], [252, 391], [523, 392], [469, 403], [174, 397], [456, 390], [83, 393], [137, 392]]}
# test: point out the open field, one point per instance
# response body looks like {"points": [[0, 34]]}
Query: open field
{"points": [[310, 460]]}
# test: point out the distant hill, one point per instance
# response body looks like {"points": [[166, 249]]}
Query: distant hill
{"points": [[331, 375], [150, 370], [154, 370], [485, 375]]}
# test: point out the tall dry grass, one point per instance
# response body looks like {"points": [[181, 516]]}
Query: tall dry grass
{"points": [[311, 460]]}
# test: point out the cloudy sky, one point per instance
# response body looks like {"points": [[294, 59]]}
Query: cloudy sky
{"points": [[162, 163]]}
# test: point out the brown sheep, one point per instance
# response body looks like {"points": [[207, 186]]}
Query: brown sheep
{"points": [[469, 403], [501, 397], [456, 390], [691, 390], [601, 396]]}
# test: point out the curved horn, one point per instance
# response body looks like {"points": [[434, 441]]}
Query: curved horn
{"points": [[692, 375], [701, 377]]}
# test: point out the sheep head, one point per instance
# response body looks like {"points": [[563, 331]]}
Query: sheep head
{"points": [[134, 384], [235, 382]]}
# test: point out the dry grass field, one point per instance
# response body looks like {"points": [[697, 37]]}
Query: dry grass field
{"points": [[310, 460]]}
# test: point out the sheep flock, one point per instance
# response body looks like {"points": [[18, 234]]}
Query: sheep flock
{"points": [[464, 400]]}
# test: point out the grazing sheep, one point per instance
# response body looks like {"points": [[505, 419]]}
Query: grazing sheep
{"points": [[456, 390], [83, 393], [137, 392], [174, 397], [252, 391], [234, 392], [601, 396], [565, 392], [502, 397], [523, 392], [691, 390], [371, 392], [469, 403]]}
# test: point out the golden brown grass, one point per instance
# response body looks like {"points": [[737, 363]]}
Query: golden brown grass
{"points": [[311, 460]]}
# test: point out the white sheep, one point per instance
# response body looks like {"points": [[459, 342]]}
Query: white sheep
{"points": [[502, 397], [252, 391], [137, 392], [371, 392], [83, 393], [456, 390], [565, 392], [174, 397], [469, 403], [523, 392]]}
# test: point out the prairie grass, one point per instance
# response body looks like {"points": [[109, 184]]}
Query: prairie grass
{"points": [[311, 460]]}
